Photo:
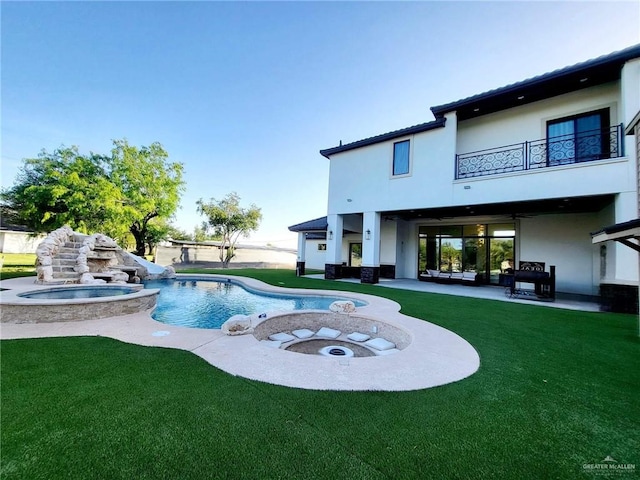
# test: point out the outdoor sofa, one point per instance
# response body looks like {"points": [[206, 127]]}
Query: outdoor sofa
{"points": [[466, 278]]}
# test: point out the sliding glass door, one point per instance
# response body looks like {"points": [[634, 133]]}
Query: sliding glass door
{"points": [[580, 138], [483, 249]]}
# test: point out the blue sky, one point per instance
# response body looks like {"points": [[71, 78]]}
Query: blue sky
{"points": [[245, 94]]}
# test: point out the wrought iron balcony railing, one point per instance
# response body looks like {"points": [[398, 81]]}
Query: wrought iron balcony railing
{"points": [[551, 152]]}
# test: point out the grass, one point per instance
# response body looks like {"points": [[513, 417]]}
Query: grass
{"points": [[17, 265], [556, 389]]}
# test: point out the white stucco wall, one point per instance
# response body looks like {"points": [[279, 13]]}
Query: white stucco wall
{"points": [[625, 258], [19, 242], [563, 241], [314, 258], [388, 238], [407, 250], [630, 77], [360, 180], [601, 177], [529, 122]]}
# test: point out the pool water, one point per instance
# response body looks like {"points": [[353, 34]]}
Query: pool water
{"points": [[77, 292], [209, 303]]}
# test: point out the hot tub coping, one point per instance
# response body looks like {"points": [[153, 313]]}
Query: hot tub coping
{"points": [[345, 323]]}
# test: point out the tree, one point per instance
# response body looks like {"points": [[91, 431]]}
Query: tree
{"points": [[117, 195], [151, 186], [175, 233], [65, 188], [157, 230], [201, 234], [229, 221]]}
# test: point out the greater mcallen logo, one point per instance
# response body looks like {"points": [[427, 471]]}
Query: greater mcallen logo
{"points": [[609, 465]]}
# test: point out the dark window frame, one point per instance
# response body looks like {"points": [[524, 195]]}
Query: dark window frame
{"points": [[565, 149], [396, 165]]}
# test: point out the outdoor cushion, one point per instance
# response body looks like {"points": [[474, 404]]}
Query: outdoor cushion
{"points": [[326, 332], [303, 333], [358, 337], [469, 276], [281, 337], [271, 343], [380, 344]]}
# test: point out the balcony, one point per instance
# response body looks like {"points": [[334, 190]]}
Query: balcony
{"points": [[531, 155]]}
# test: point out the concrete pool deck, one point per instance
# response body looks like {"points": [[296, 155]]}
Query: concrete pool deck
{"points": [[435, 356]]}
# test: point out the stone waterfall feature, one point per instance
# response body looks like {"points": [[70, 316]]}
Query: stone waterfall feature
{"points": [[65, 256]]}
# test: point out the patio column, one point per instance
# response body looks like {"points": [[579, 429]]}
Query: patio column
{"points": [[302, 252], [333, 262], [370, 270], [626, 208]]}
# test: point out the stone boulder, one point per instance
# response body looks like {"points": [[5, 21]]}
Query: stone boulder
{"points": [[237, 325], [342, 306]]}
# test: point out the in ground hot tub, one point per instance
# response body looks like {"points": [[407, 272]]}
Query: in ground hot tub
{"points": [[74, 303], [316, 333], [69, 293]]}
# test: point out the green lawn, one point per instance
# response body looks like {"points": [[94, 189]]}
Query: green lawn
{"points": [[17, 265], [556, 389]]}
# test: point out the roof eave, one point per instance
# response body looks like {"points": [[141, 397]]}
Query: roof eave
{"points": [[582, 75], [423, 127], [316, 225]]}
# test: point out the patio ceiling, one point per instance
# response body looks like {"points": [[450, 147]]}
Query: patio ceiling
{"points": [[508, 210]]}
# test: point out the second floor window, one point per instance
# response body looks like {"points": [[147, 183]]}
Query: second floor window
{"points": [[579, 138], [401, 158]]}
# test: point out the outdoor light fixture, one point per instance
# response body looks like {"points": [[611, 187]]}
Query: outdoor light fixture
{"points": [[367, 234], [330, 234]]}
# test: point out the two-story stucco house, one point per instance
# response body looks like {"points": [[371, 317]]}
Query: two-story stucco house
{"points": [[521, 173]]}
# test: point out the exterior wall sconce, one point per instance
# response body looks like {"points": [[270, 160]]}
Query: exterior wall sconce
{"points": [[367, 234], [330, 234]]}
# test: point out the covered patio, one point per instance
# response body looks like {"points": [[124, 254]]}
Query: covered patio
{"points": [[487, 292]]}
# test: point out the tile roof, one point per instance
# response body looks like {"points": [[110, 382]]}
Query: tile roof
{"points": [[422, 127], [599, 70], [603, 69], [318, 224]]}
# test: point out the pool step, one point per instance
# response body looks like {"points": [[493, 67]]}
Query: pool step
{"points": [[64, 262], [62, 267], [65, 275]]}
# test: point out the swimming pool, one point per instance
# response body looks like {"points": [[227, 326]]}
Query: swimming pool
{"points": [[201, 303]]}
